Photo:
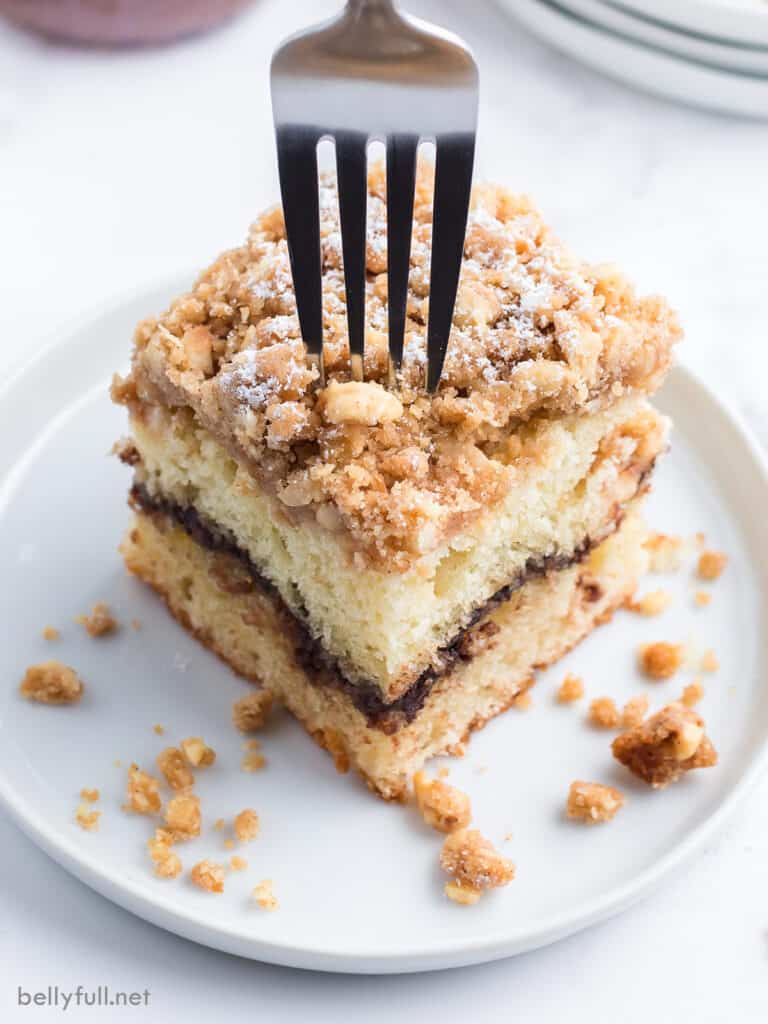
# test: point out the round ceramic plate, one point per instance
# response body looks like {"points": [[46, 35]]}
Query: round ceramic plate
{"points": [[646, 67], [357, 879], [740, 21]]}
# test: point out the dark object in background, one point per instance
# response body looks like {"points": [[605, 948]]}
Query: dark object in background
{"points": [[120, 22]]}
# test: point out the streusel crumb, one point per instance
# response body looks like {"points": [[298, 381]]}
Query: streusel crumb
{"points": [[253, 761], [218, 824], [51, 633], [634, 711], [91, 795], [603, 713], [158, 729], [264, 896], [100, 622], [592, 802], [86, 818], [653, 603], [251, 712], [175, 769], [466, 895], [665, 553], [246, 825], [143, 792], [472, 860], [702, 598], [571, 689], [665, 746], [523, 701], [442, 807], [661, 660], [536, 333], [692, 694], [51, 682], [238, 863], [229, 844], [167, 862], [182, 816], [197, 752], [209, 876], [709, 662], [711, 564]]}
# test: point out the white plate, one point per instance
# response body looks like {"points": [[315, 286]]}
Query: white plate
{"points": [[357, 878], [742, 21], [667, 39], [640, 65]]}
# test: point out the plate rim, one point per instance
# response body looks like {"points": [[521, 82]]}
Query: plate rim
{"points": [[134, 895]]}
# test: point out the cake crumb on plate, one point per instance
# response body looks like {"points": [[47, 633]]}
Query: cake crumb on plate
{"points": [[51, 633], [175, 769], [692, 694], [143, 792], [571, 689], [711, 564], [473, 861], [264, 896], [207, 875], [634, 711], [592, 802], [246, 825], [665, 746], [603, 713], [197, 752], [100, 622], [51, 682], [652, 603], [442, 807], [661, 660], [250, 713]]}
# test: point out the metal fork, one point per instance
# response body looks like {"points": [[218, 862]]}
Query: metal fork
{"points": [[374, 74]]}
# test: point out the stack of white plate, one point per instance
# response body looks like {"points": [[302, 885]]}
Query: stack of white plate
{"points": [[711, 53]]}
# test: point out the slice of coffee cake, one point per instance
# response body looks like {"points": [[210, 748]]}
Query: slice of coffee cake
{"points": [[391, 564]]}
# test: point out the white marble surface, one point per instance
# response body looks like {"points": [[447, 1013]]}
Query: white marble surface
{"points": [[116, 170]]}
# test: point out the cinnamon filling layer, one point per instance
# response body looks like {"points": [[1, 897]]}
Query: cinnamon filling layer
{"points": [[321, 667]]}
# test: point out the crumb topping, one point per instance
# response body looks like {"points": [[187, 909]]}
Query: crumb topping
{"points": [[51, 633], [692, 694], [197, 752], [253, 761], [603, 713], [571, 689], [702, 598], [634, 711], [143, 796], [442, 807], [100, 622], [264, 896], [250, 713], [238, 863], [87, 818], [175, 769], [166, 861], [246, 825], [91, 795], [711, 564], [709, 662], [535, 333], [209, 876], [665, 553], [653, 603], [51, 682], [472, 860], [182, 817], [665, 746], [591, 802], [661, 660]]}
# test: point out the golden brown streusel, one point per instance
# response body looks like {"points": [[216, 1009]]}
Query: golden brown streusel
{"points": [[182, 816], [197, 752], [571, 689], [523, 701], [535, 333], [661, 660], [91, 795], [167, 862], [175, 769], [250, 713], [209, 876], [692, 694], [666, 745], [51, 682], [238, 863], [702, 598], [86, 818], [603, 713], [709, 662], [462, 893], [100, 622], [253, 761], [473, 860], [246, 825], [665, 553], [143, 792], [51, 633], [634, 711], [652, 603], [711, 564], [264, 895], [442, 807], [592, 802]]}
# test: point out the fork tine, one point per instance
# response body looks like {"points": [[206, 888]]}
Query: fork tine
{"points": [[401, 181], [297, 167], [352, 176], [453, 183]]}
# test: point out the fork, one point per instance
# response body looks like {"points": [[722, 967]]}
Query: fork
{"points": [[374, 74]]}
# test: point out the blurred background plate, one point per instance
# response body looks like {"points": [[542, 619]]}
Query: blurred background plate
{"points": [[640, 65], [741, 21], [673, 41]]}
